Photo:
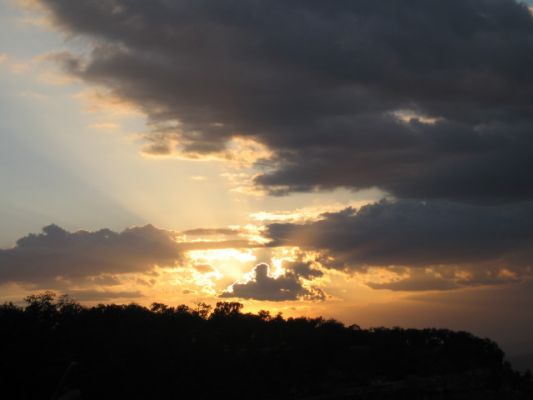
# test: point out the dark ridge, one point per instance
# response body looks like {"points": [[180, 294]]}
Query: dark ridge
{"points": [[54, 348]]}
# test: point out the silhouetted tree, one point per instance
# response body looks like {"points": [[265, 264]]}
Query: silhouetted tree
{"points": [[226, 309], [55, 345]]}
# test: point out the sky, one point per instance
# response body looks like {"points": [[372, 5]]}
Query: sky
{"points": [[365, 161]]}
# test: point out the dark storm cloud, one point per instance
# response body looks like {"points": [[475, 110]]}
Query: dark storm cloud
{"points": [[321, 84], [264, 287], [76, 255], [418, 234]]}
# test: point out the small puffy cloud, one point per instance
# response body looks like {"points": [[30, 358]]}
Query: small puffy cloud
{"points": [[262, 286], [57, 253]]}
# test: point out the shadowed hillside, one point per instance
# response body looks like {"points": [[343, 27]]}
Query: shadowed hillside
{"points": [[55, 348]]}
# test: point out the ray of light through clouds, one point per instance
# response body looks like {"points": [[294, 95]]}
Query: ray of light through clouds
{"points": [[364, 160]]}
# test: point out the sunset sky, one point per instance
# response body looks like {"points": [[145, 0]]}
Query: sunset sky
{"points": [[370, 161]]}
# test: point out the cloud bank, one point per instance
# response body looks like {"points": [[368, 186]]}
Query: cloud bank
{"points": [[425, 99], [417, 234], [57, 253]]}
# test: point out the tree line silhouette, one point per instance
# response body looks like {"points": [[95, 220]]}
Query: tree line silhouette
{"points": [[54, 347]]}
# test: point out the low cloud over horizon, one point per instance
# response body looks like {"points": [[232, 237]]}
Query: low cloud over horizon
{"points": [[57, 253], [420, 246]]}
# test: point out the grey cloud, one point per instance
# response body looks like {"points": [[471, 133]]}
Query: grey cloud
{"points": [[302, 269], [415, 285], [450, 278], [77, 255], [318, 82], [264, 287], [417, 234], [106, 280], [103, 295]]}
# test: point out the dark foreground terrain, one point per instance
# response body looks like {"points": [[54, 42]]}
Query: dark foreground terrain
{"points": [[54, 348]]}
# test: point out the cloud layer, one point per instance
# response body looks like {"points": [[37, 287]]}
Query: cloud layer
{"points": [[425, 99], [417, 234]]}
